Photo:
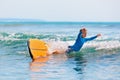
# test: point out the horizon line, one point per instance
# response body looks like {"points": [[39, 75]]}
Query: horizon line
{"points": [[41, 20]]}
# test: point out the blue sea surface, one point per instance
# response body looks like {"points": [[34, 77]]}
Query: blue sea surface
{"points": [[97, 60]]}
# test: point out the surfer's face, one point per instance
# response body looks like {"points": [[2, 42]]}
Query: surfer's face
{"points": [[84, 33]]}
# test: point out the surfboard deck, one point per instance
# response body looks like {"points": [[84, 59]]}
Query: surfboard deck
{"points": [[37, 48]]}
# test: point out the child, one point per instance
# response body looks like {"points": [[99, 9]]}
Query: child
{"points": [[80, 40]]}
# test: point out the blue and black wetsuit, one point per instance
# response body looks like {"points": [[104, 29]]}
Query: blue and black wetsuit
{"points": [[79, 42]]}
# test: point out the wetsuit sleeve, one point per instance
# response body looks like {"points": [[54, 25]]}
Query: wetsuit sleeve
{"points": [[91, 38]]}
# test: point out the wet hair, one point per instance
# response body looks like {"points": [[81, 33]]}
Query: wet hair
{"points": [[83, 29], [80, 30]]}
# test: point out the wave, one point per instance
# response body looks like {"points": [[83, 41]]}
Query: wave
{"points": [[18, 42], [112, 44]]}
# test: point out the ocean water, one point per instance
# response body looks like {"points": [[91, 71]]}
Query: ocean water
{"points": [[97, 60]]}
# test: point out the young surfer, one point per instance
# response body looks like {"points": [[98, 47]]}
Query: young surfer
{"points": [[81, 39]]}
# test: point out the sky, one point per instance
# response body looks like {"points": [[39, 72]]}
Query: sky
{"points": [[62, 10]]}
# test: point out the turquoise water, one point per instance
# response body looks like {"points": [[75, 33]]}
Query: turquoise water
{"points": [[97, 60]]}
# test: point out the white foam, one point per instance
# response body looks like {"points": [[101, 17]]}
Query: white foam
{"points": [[58, 46], [113, 44]]}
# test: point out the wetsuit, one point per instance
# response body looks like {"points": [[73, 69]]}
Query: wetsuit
{"points": [[79, 43]]}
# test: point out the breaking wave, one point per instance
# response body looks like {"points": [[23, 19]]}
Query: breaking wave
{"points": [[17, 42]]}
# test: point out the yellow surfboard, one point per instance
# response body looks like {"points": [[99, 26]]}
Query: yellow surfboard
{"points": [[37, 48]]}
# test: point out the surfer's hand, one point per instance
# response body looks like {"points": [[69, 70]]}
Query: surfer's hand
{"points": [[98, 35]]}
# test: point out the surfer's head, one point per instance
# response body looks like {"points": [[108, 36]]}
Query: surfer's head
{"points": [[84, 32]]}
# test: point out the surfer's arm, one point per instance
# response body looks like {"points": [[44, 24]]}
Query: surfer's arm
{"points": [[92, 38]]}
